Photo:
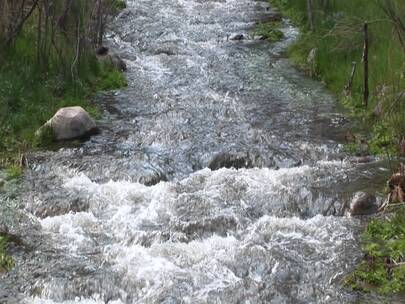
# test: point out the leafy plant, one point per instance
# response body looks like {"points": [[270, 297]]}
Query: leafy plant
{"points": [[383, 268], [13, 172], [6, 262]]}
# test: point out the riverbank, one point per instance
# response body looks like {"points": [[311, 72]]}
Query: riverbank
{"points": [[328, 53], [59, 69], [330, 49]]}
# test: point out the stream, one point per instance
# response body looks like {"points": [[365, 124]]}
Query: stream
{"points": [[134, 214]]}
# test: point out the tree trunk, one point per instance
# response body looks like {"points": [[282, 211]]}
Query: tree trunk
{"points": [[310, 15], [365, 61]]}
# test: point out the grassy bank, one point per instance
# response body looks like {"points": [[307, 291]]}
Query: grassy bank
{"points": [[327, 49], [383, 268], [48, 61], [337, 42], [30, 96]]}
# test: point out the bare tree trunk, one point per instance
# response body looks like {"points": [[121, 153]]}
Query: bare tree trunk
{"points": [[310, 11], [349, 86], [365, 61]]}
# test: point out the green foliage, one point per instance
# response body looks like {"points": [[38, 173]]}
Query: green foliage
{"points": [[383, 269], [110, 78], [29, 97], [6, 262], [269, 31], [338, 39], [383, 140], [13, 172], [43, 137], [118, 5]]}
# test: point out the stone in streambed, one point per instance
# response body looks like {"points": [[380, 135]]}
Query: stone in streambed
{"points": [[228, 160], [363, 204], [69, 123], [236, 37], [153, 179]]}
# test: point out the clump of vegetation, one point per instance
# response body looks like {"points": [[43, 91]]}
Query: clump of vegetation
{"points": [[332, 40], [6, 262], [13, 172], [119, 5], [269, 31], [383, 269]]}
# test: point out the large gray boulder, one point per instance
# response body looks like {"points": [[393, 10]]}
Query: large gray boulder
{"points": [[363, 204], [70, 123]]}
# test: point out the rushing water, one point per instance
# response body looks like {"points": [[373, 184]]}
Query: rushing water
{"points": [[93, 233]]}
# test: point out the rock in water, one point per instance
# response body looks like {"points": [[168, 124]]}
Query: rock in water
{"points": [[71, 123], [363, 204], [153, 179], [104, 54], [118, 63], [236, 37], [227, 160]]}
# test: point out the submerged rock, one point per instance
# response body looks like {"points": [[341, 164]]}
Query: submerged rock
{"points": [[228, 160], [363, 204], [69, 123], [153, 179], [236, 37]]}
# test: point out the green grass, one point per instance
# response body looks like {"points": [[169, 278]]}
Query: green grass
{"points": [[383, 269], [338, 40], [30, 96], [6, 262], [14, 172], [118, 5], [269, 31]]}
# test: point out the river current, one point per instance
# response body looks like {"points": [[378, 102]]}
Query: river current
{"points": [[93, 232]]}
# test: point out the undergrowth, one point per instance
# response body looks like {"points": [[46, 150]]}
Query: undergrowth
{"points": [[337, 39], [6, 262], [335, 43], [383, 268], [30, 96]]}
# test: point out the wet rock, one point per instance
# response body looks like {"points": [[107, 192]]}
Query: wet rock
{"points": [[153, 179], [259, 37], [270, 16], [227, 160], [19, 228], [363, 204], [102, 51], [104, 54], [118, 63], [69, 123], [61, 207], [236, 37]]}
